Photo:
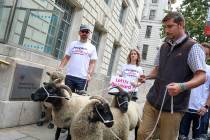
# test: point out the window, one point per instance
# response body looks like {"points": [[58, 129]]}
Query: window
{"points": [[44, 29], [144, 51], [112, 60], [122, 12], [63, 29], [148, 32], [96, 38], [152, 14], [154, 1]]}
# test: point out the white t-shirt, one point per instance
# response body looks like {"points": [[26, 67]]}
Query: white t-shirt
{"points": [[199, 95], [131, 72], [80, 56]]}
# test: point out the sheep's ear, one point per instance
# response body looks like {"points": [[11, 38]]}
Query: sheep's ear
{"points": [[48, 73]]}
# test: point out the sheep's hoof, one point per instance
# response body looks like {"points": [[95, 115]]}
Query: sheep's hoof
{"points": [[39, 123], [50, 126]]}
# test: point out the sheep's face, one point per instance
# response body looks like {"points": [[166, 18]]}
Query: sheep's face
{"points": [[122, 102], [121, 98], [55, 75], [103, 114], [49, 93]]}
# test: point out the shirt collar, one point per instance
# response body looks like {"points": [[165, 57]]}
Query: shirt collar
{"points": [[179, 40]]}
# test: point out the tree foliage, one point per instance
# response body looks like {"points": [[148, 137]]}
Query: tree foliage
{"points": [[195, 13]]}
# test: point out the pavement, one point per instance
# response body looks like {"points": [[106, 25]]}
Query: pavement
{"points": [[34, 132], [29, 132]]}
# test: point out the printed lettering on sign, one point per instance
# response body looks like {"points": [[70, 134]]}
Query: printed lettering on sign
{"points": [[122, 82]]}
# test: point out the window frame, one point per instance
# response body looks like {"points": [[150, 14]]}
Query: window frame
{"points": [[152, 14], [145, 51], [148, 31]]}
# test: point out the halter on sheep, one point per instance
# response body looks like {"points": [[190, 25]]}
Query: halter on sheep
{"points": [[53, 96], [63, 111], [49, 94], [122, 98], [106, 122], [46, 109], [89, 122]]}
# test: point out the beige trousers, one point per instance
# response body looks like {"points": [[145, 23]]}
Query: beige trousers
{"points": [[168, 124]]}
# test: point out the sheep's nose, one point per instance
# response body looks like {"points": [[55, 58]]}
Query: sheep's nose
{"points": [[109, 124], [124, 108]]}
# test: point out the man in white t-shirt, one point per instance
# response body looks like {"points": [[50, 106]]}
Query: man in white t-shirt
{"points": [[197, 109], [81, 57]]}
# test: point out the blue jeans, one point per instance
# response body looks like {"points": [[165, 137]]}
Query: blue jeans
{"points": [[198, 127], [204, 123], [76, 83]]}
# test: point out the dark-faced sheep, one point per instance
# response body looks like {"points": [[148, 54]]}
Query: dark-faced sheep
{"points": [[84, 128], [46, 108], [63, 110], [122, 101], [89, 122]]}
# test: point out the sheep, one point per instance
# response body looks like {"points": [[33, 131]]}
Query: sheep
{"points": [[120, 129], [122, 101], [88, 122], [83, 128], [63, 110], [46, 108]]}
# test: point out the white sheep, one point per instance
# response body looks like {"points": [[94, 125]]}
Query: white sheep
{"points": [[83, 128], [120, 129], [88, 123], [46, 108], [122, 101], [63, 110]]}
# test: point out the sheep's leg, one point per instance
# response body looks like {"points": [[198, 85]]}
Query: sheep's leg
{"points": [[136, 131], [42, 119], [57, 133], [69, 136], [50, 125]]}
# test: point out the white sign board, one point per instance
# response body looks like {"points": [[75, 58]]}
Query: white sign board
{"points": [[121, 82]]}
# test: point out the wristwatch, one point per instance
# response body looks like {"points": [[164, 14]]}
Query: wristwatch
{"points": [[206, 106]]}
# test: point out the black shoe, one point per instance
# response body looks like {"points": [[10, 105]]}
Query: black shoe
{"points": [[50, 125], [40, 123], [204, 137], [182, 137]]}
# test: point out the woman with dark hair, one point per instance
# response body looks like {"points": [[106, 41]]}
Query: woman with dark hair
{"points": [[132, 70]]}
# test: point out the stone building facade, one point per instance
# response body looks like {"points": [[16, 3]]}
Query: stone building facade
{"points": [[149, 37]]}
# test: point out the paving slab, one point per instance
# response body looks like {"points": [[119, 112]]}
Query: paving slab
{"points": [[33, 132]]}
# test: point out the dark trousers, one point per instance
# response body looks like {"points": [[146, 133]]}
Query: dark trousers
{"points": [[204, 124], [186, 122], [198, 126], [75, 83]]}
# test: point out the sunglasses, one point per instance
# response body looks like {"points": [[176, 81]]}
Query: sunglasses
{"points": [[85, 31]]}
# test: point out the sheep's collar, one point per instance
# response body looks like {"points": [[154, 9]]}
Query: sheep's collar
{"points": [[48, 95]]}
